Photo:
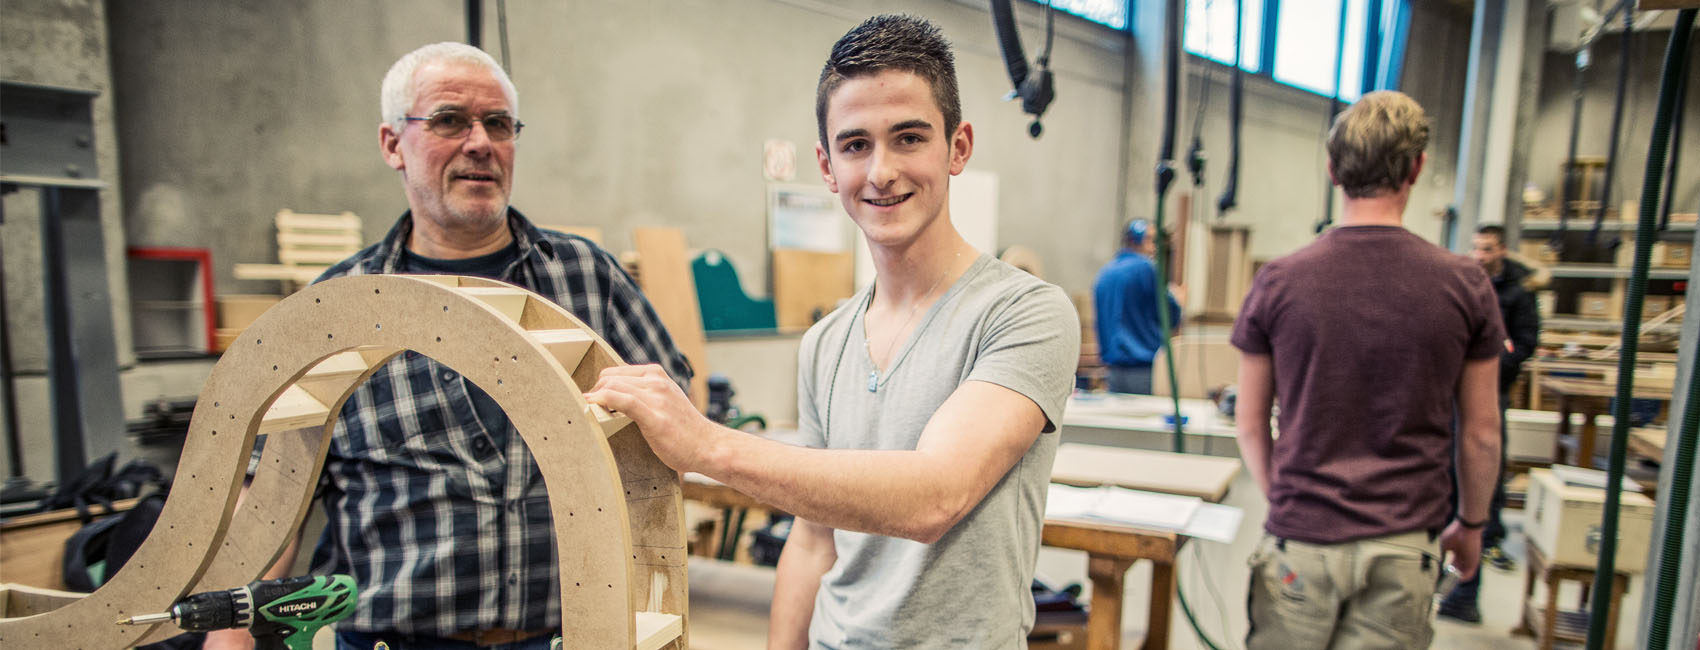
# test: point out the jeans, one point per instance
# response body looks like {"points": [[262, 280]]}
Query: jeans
{"points": [[1129, 379], [351, 640]]}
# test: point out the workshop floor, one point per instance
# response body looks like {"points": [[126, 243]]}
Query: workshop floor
{"points": [[729, 602]]}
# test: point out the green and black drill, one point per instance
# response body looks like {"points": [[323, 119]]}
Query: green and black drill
{"points": [[281, 614]]}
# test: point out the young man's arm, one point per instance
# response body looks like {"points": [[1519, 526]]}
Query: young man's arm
{"points": [[1478, 460], [808, 555], [967, 446], [1251, 415]]}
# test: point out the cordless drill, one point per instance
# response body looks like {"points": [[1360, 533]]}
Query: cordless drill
{"points": [[281, 614]]}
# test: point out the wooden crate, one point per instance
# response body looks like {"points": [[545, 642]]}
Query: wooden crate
{"points": [[1594, 304]]}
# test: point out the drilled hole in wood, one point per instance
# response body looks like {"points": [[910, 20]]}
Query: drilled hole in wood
{"points": [[273, 368], [439, 339], [516, 357], [329, 336], [257, 341], [377, 326], [445, 307], [376, 291], [215, 404], [498, 382], [315, 301]]}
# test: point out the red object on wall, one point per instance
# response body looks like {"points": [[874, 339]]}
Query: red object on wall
{"points": [[204, 258]]}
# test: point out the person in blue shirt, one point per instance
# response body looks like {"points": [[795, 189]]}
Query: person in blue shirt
{"points": [[1129, 332]]}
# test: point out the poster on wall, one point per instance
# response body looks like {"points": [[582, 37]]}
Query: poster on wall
{"points": [[805, 218]]}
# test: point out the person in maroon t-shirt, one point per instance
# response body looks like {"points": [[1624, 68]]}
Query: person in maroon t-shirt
{"points": [[1373, 339]]}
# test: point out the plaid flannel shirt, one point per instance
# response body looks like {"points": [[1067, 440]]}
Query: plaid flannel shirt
{"points": [[443, 531]]}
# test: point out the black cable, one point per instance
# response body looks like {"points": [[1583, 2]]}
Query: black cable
{"points": [[1236, 95], [475, 23], [1616, 125], [1676, 146], [1165, 176], [1572, 176], [1601, 605]]}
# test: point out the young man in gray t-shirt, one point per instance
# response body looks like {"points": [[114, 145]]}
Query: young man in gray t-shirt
{"points": [[928, 402]]}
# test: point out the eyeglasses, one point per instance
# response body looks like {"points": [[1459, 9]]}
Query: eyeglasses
{"points": [[453, 124]]}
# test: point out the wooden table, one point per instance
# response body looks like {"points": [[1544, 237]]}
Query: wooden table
{"points": [[1589, 398], [1561, 625], [1111, 549]]}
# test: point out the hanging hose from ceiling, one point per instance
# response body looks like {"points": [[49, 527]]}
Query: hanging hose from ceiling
{"points": [[1035, 87], [1675, 53], [1572, 177], [1166, 176], [1616, 125], [1236, 117], [1676, 149]]}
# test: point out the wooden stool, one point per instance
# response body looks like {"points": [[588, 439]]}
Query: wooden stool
{"points": [[1565, 625]]}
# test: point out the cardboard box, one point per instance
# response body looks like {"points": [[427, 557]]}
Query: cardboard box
{"points": [[238, 311], [1564, 521], [1545, 302], [1531, 436], [1538, 250], [1652, 306], [1677, 254], [1593, 304]]}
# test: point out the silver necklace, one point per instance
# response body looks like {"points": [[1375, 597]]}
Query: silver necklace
{"points": [[914, 309]]}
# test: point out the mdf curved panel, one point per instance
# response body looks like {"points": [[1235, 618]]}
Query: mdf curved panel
{"points": [[617, 509]]}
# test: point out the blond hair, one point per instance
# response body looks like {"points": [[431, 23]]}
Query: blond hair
{"points": [[1376, 143]]}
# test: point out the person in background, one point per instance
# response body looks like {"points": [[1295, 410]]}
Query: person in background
{"points": [[1522, 321], [1125, 300], [1383, 350]]}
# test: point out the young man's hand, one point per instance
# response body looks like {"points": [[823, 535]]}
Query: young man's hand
{"points": [[1465, 544], [680, 435]]}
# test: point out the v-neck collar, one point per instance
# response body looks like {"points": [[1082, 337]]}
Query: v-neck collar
{"points": [[878, 378]]}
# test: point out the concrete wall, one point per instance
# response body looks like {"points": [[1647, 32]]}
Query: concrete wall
{"points": [[649, 112], [638, 113], [1599, 93]]}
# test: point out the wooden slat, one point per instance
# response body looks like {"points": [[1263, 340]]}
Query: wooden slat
{"points": [[655, 630], [511, 302], [1205, 477], [294, 409], [610, 422], [342, 241], [308, 256], [667, 283], [18, 601], [301, 274], [328, 381], [567, 346], [808, 282], [290, 220]]}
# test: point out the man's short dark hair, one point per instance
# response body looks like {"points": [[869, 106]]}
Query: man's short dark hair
{"points": [[892, 42], [1497, 232]]}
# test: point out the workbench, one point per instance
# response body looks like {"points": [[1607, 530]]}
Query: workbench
{"points": [[1590, 398], [1138, 421], [1111, 548]]}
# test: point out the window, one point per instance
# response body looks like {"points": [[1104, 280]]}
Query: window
{"points": [[1305, 39], [1209, 32], [1111, 13]]}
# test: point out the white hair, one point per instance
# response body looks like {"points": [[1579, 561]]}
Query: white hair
{"points": [[398, 91]]}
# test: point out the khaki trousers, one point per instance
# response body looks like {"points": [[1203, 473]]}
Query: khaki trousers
{"points": [[1373, 593]]}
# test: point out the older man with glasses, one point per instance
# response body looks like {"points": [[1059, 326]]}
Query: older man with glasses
{"points": [[435, 505]]}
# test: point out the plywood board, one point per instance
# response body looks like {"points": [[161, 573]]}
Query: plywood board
{"points": [[807, 284], [1205, 477], [666, 280], [617, 509]]}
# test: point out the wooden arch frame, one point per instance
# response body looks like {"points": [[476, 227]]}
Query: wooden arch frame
{"points": [[288, 376]]}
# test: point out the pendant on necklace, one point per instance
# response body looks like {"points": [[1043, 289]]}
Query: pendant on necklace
{"points": [[873, 380]]}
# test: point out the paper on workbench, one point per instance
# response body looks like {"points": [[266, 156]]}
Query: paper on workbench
{"points": [[1215, 522], [1122, 506]]}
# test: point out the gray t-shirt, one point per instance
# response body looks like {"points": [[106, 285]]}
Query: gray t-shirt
{"points": [[971, 589]]}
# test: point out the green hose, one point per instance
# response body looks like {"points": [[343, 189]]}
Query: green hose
{"points": [[1675, 53], [1676, 498]]}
